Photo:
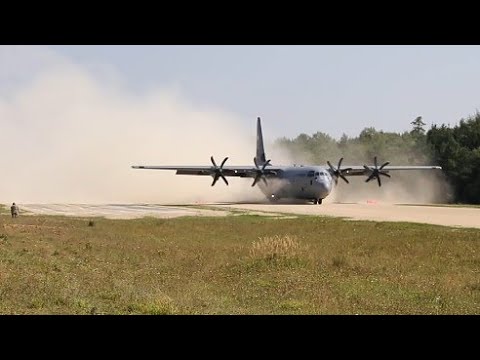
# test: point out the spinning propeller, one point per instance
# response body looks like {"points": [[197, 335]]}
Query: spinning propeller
{"points": [[376, 171], [260, 172], [338, 172], [218, 171]]}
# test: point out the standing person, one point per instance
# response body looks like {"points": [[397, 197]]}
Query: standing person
{"points": [[14, 210]]}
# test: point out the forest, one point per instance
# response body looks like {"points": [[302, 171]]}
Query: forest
{"points": [[455, 148]]}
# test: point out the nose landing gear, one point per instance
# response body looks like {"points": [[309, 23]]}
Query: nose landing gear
{"points": [[273, 199], [317, 201]]}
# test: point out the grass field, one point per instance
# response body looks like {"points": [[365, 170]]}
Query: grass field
{"points": [[240, 264]]}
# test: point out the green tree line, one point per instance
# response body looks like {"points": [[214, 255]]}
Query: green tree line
{"points": [[456, 149]]}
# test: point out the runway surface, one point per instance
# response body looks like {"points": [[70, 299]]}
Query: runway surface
{"points": [[117, 211], [438, 215], [449, 216]]}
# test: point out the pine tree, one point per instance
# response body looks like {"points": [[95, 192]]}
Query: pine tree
{"points": [[418, 125]]}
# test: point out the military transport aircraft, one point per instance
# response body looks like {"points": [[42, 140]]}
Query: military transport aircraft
{"points": [[312, 183]]}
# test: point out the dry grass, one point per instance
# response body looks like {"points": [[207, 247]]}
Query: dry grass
{"points": [[273, 248], [236, 265]]}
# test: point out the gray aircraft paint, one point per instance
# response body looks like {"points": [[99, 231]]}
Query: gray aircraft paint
{"points": [[260, 157]]}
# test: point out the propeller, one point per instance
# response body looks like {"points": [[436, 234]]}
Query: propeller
{"points": [[260, 172], [376, 171], [218, 171], [338, 172]]}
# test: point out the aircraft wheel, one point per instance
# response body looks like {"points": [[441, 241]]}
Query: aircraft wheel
{"points": [[320, 201], [315, 201]]}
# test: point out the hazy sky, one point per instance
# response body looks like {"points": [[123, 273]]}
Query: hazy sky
{"points": [[297, 89]]}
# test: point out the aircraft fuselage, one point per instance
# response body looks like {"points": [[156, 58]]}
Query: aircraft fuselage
{"points": [[299, 182]]}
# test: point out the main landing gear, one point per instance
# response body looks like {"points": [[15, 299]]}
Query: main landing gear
{"points": [[317, 201]]}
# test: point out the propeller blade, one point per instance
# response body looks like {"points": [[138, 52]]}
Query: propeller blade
{"points": [[375, 160], [213, 161], [255, 162], [224, 179], [265, 181], [255, 181], [215, 179], [344, 178], [339, 163], [223, 162], [331, 167], [264, 165], [379, 182], [381, 167], [385, 174]]}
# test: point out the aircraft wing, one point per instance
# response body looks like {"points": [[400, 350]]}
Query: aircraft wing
{"points": [[357, 170], [239, 171]]}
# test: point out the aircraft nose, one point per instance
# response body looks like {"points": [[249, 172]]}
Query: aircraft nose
{"points": [[324, 188]]}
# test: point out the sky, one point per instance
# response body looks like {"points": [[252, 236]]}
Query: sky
{"points": [[75, 118], [304, 89], [296, 89]]}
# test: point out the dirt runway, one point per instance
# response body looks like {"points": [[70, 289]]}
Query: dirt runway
{"points": [[439, 215], [449, 216], [117, 211]]}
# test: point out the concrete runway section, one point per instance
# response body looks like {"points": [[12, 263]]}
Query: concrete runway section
{"points": [[116, 211], [438, 215]]}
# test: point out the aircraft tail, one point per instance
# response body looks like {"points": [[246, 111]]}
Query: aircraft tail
{"points": [[260, 156]]}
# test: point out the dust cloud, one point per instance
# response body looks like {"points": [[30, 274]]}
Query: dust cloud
{"points": [[404, 187], [69, 137]]}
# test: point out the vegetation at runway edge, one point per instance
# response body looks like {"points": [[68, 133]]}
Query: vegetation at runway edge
{"points": [[456, 149], [236, 265]]}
